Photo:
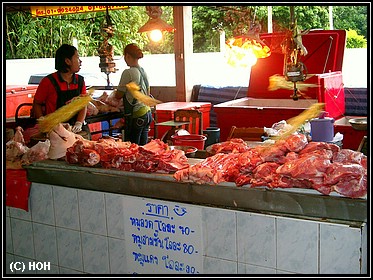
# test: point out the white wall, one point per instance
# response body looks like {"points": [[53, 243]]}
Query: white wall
{"points": [[208, 69], [355, 68]]}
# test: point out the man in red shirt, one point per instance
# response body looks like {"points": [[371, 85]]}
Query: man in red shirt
{"points": [[58, 88]]}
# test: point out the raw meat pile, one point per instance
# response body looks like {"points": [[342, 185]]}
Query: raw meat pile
{"points": [[155, 156], [18, 154], [104, 104], [235, 145], [290, 163]]}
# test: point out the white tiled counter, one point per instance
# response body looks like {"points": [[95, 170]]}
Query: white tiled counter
{"points": [[78, 230]]}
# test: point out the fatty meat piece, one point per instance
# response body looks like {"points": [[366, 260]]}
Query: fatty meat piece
{"points": [[103, 107], [347, 156], [113, 101], [16, 147], [37, 152], [15, 150], [18, 135], [91, 109], [349, 180], [60, 140]]}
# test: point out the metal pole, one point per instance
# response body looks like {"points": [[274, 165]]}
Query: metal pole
{"points": [[222, 41], [292, 17], [269, 11], [331, 18]]}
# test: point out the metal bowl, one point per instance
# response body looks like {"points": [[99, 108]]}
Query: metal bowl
{"points": [[189, 151], [359, 123]]}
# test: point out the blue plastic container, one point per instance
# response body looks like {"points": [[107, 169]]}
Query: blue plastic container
{"points": [[213, 135], [322, 130]]}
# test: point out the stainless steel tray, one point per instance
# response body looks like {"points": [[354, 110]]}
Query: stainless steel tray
{"points": [[291, 202]]}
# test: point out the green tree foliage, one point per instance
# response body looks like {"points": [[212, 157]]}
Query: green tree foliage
{"points": [[233, 18], [28, 37], [206, 18], [39, 37], [307, 17], [354, 40], [351, 17]]}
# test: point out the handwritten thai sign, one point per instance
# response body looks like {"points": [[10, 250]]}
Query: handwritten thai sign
{"points": [[42, 11], [162, 237]]}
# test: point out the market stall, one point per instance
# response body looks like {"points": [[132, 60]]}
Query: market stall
{"points": [[230, 225], [99, 209], [268, 101], [165, 112], [101, 219]]}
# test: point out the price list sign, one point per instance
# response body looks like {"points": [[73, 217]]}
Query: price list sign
{"points": [[162, 237], [42, 11]]}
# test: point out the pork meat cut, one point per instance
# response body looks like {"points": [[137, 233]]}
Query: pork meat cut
{"points": [[289, 163]]}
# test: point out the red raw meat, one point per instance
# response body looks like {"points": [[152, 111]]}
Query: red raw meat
{"points": [[349, 180], [265, 174], [364, 160], [347, 156], [249, 160], [172, 160], [234, 145], [89, 157], [77, 154], [208, 171], [289, 182], [71, 157], [307, 167], [312, 146], [145, 166], [275, 152], [326, 154], [290, 163], [155, 146], [291, 156], [109, 148], [155, 156], [182, 175], [243, 179], [296, 142]]}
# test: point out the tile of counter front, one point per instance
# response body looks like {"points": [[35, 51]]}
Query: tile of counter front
{"points": [[294, 202], [233, 241]]}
